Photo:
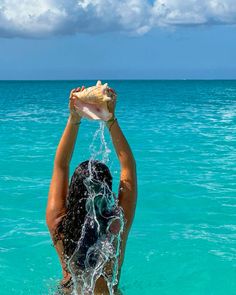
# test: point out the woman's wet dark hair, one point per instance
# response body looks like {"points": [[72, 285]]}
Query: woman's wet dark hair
{"points": [[69, 229]]}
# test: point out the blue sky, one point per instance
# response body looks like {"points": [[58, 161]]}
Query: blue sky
{"points": [[174, 42]]}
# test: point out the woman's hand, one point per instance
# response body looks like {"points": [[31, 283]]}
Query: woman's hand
{"points": [[112, 103], [75, 116]]}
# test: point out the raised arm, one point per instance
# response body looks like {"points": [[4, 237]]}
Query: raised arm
{"points": [[56, 207], [60, 178], [128, 179]]}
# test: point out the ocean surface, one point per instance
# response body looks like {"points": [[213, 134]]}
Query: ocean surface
{"points": [[183, 135]]}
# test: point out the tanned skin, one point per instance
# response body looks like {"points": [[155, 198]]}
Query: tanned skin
{"points": [[127, 195]]}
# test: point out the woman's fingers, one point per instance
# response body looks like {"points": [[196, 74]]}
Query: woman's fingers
{"points": [[78, 89], [112, 93], [112, 90], [72, 91]]}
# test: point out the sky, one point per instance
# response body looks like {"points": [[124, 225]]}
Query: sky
{"points": [[107, 39]]}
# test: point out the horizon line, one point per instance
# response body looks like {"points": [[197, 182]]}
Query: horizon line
{"points": [[110, 79]]}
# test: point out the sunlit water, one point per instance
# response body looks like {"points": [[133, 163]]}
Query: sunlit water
{"points": [[183, 240]]}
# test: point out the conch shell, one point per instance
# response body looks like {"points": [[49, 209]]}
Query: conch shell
{"points": [[92, 102]]}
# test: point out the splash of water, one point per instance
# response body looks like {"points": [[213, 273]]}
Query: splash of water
{"points": [[103, 150], [103, 226]]}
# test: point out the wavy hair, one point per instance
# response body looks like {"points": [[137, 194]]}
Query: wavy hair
{"points": [[70, 228]]}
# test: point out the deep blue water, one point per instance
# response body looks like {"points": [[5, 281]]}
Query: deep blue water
{"points": [[183, 134]]}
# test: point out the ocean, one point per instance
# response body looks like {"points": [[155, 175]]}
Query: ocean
{"points": [[183, 136]]}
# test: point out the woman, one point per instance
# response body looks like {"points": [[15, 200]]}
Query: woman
{"points": [[68, 212]]}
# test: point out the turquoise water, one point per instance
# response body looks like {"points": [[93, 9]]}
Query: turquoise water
{"points": [[183, 239]]}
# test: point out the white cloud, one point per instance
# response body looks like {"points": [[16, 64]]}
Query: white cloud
{"points": [[29, 18], [193, 12], [39, 18]]}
